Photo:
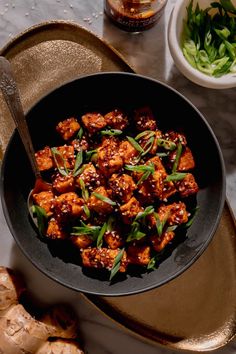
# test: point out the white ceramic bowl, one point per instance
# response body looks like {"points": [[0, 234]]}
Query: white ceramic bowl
{"points": [[175, 27]]}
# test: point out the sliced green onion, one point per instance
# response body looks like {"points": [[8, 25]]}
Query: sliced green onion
{"points": [[86, 210], [63, 170], [104, 199], [89, 154], [135, 233], [175, 176], [148, 146], [116, 264], [166, 144], [146, 133], [80, 133], [78, 162], [160, 224], [91, 231], [140, 168], [177, 157], [135, 144], [100, 235], [144, 177], [85, 193], [162, 154], [111, 132], [142, 214], [42, 218]]}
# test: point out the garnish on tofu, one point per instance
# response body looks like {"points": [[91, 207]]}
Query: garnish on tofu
{"points": [[120, 192]]}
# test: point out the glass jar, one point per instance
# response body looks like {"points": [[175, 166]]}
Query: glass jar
{"points": [[134, 15]]}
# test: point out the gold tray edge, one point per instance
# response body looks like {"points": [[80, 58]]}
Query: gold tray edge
{"points": [[40, 25], [166, 341]]}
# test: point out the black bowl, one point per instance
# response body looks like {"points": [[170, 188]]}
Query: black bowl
{"points": [[103, 92]]}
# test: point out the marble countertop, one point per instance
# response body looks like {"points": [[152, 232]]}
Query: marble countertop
{"points": [[148, 54]]}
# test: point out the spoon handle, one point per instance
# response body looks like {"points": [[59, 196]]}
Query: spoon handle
{"points": [[11, 95]]}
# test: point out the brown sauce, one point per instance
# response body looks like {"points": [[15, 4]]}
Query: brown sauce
{"points": [[134, 15]]}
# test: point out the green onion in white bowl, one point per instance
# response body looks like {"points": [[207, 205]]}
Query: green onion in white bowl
{"points": [[203, 47]]}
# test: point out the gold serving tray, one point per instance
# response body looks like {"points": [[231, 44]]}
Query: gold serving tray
{"points": [[197, 310]]}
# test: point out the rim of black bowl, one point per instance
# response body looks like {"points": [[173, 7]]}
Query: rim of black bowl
{"points": [[143, 289]]}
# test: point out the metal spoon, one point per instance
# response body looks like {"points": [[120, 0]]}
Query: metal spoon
{"points": [[11, 95]]}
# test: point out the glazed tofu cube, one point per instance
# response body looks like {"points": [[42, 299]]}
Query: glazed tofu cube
{"points": [[158, 165], [150, 140], [116, 119], [174, 214], [167, 191], [176, 137], [55, 230], [64, 156], [81, 241], [93, 122], [157, 183], [113, 239], [63, 184], [98, 205], [139, 255], [122, 186], [67, 206], [103, 258], [68, 128], [80, 144], [44, 159], [186, 161], [44, 200], [90, 176], [127, 151], [145, 194], [144, 119], [159, 243], [187, 186], [109, 159], [130, 210]]}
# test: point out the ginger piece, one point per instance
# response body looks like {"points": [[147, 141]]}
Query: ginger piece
{"points": [[11, 288], [63, 319], [61, 346], [21, 333], [56, 332]]}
